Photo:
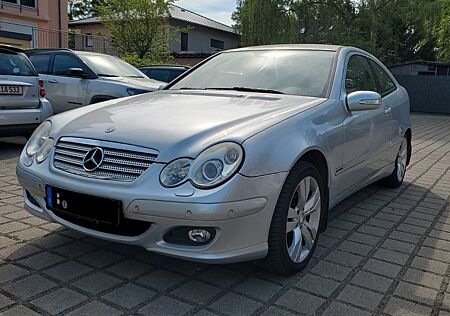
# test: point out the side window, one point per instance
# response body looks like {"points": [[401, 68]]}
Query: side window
{"points": [[41, 62], [62, 64], [385, 83], [359, 75]]}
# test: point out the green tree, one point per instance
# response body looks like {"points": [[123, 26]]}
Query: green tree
{"points": [[78, 9], [138, 27], [264, 22], [393, 30], [443, 32]]}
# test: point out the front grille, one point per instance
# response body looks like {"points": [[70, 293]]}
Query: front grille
{"points": [[120, 162]]}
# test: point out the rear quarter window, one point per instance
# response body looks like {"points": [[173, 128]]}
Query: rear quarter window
{"points": [[41, 62], [13, 64]]}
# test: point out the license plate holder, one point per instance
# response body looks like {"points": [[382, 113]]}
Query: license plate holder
{"points": [[11, 90], [84, 207]]}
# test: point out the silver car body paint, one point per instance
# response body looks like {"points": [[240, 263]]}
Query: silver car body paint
{"points": [[275, 132]]}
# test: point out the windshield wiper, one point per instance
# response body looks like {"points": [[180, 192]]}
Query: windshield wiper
{"points": [[135, 77], [248, 89], [107, 75]]}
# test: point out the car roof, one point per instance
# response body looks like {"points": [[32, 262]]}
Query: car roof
{"points": [[11, 49], [318, 47]]}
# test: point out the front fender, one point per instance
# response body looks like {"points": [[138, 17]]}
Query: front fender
{"points": [[278, 148]]}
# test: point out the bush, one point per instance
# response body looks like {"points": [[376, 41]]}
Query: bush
{"points": [[134, 60]]}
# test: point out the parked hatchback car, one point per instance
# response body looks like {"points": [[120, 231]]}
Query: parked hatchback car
{"points": [[240, 159], [165, 73], [74, 79], [23, 105]]}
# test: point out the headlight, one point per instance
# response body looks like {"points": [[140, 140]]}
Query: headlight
{"points": [[212, 167], [175, 173], [40, 135], [44, 151], [133, 91]]}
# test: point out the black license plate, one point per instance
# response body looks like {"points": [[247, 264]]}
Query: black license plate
{"points": [[84, 207]]}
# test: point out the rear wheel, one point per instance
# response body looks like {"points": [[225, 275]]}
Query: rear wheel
{"points": [[295, 227], [395, 180]]}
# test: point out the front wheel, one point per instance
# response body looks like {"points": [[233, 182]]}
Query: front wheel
{"points": [[395, 180], [295, 226]]}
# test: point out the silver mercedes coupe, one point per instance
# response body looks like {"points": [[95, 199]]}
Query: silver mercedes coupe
{"points": [[240, 158]]}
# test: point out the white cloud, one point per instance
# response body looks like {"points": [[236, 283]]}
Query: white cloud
{"points": [[219, 10]]}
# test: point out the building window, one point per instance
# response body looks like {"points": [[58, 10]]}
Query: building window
{"points": [[217, 44], [89, 40], [184, 42], [26, 3]]}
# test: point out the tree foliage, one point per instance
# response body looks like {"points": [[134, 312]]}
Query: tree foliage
{"points": [[443, 32], [393, 30], [79, 9], [138, 27]]}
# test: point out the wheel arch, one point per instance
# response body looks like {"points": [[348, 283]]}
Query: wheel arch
{"points": [[317, 158], [101, 98]]}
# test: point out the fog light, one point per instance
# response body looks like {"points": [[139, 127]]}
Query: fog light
{"points": [[199, 235]]}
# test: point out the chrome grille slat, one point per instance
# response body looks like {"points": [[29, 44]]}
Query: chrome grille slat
{"points": [[74, 147], [127, 162], [129, 155], [96, 174], [69, 153], [121, 169], [124, 163]]}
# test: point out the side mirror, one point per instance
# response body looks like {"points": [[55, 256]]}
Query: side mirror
{"points": [[76, 72], [363, 100]]}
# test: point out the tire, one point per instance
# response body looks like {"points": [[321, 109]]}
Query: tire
{"points": [[395, 180], [290, 222]]}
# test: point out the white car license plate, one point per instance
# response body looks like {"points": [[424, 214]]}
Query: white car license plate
{"points": [[11, 90]]}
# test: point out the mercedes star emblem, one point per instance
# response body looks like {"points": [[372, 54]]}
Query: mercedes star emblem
{"points": [[93, 159]]}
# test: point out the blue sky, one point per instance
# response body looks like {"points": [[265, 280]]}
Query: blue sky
{"points": [[219, 10]]}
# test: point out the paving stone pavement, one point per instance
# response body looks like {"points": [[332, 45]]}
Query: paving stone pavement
{"points": [[385, 252]]}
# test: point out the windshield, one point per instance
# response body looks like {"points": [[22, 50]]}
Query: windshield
{"points": [[295, 72], [109, 66], [13, 64]]}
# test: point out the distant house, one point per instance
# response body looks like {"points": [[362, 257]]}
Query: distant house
{"points": [[421, 68], [200, 38], [33, 23]]}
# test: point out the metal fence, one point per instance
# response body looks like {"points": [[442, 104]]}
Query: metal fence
{"points": [[429, 94]]}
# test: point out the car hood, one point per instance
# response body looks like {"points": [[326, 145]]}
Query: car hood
{"points": [[143, 83], [180, 124]]}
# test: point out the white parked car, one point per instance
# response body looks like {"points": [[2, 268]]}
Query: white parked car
{"points": [[23, 105], [75, 79]]}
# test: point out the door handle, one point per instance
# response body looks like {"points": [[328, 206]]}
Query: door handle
{"points": [[53, 81], [387, 110]]}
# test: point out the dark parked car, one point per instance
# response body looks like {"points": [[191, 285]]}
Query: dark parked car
{"points": [[164, 73]]}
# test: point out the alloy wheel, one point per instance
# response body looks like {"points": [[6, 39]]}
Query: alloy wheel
{"points": [[402, 159], [303, 219]]}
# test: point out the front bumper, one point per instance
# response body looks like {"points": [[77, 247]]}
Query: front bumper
{"points": [[240, 210]]}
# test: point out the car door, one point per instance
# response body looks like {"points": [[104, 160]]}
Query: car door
{"points": [[64, 91], [364, 131], [387, 89]]}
